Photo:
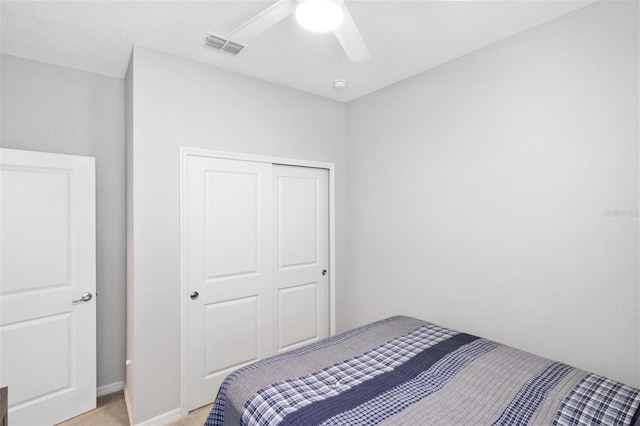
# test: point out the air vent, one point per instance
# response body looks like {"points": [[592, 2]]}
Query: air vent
{"points": [[220, 43]]}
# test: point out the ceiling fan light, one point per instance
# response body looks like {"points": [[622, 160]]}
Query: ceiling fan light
{"points": [[319, 15]]}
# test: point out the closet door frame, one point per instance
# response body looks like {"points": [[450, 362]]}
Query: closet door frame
{"points": [[185, 153]]}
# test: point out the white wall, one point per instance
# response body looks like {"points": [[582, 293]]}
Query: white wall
{"points": [[129, 343], [479, 190], [54, 109], [182, 103]]}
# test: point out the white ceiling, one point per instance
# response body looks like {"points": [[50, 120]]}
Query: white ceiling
{"points": [[404, 37]]}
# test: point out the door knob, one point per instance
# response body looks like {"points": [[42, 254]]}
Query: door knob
{"points": [[324, 272], [194, 295], [85, 298]]}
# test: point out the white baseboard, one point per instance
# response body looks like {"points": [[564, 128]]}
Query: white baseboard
{"points": [[162, 419], [111, 388], [127, 404]]}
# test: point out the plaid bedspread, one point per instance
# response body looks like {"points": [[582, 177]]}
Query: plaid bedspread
{"points": [[404, 371]]}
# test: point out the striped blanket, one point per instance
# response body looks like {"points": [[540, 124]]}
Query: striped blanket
{"points": [[406, 371]]}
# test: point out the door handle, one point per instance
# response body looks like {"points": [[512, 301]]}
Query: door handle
{"points": [[194, 295], [85, 298]]}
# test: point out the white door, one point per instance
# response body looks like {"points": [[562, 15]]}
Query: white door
{"points": [[301, 255], [228, 264], [48, 354], [255, 248]]}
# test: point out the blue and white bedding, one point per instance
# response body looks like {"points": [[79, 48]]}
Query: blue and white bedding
{"points": [[404, 371]]}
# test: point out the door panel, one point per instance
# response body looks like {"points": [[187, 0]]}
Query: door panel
{"points": [[298, 309], [228, 347], [39, 229], [48, 355], [228, 211], [301, 246], [50, 342], [232, 212], [297, 220]]}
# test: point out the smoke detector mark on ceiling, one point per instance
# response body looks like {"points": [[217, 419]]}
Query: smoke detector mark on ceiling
{"points": [[220, 43], [340, 84]]}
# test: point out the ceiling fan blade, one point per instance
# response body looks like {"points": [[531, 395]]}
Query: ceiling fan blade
{"points": [[351, 39], [263, 20]]}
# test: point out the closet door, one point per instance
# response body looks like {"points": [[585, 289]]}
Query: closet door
{"points": [[255, 253], [301, 255], [228, 259]]}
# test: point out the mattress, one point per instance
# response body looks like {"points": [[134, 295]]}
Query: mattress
{"points": [[404, 371]]}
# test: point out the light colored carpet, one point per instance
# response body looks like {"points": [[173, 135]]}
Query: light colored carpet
{"points": [[112, 411]]}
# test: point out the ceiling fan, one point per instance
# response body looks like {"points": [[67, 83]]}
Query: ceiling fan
{"points": [[338, 19]]}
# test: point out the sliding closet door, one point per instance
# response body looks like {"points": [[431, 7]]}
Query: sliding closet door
{"points": [[255, 258], [228, 265], [301, 255]]}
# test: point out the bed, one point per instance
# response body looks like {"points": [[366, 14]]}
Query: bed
{"points": [[404, 371]]}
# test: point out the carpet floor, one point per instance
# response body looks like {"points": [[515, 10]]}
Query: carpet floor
{"points": [[112, 411]]}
